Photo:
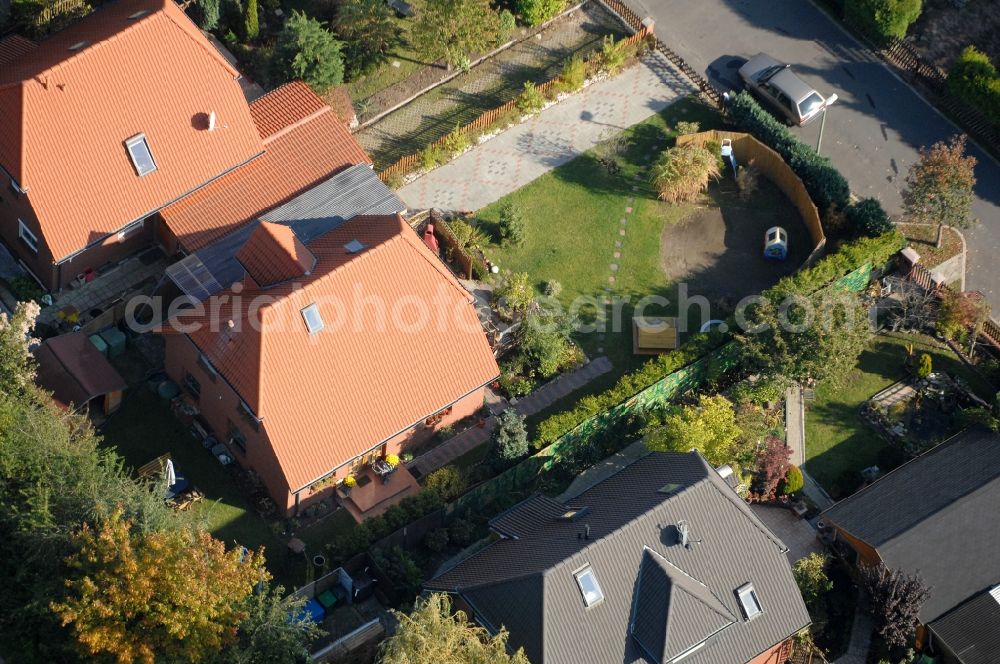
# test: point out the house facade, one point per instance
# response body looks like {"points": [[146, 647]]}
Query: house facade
{"points": [[937, 516], [661, 562], [334, 348]]}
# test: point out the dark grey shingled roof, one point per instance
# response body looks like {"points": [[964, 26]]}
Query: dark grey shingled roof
{"points": [[972, 631], [660, 598], [936, 515], [353, 192]]}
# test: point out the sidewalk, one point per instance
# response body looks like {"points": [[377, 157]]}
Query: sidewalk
{"points": [[538, 400], [556, 135]]}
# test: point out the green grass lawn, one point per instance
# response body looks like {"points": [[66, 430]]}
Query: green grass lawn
{"points": [[573, 218], [837, 438], [144, 428]]}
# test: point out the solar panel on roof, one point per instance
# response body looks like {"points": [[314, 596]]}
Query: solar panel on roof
{"points": [[193, 278]]}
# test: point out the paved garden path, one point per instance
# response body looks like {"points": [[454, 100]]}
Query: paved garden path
{"points": [[861, 636], [556, 135], [538, 400], [795, 438]]}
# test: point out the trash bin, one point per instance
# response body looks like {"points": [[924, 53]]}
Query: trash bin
{"points": [[116, 341], [99, 344]]}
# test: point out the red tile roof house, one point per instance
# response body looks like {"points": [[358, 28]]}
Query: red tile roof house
{"points": [[365, 344], [111, 120]]}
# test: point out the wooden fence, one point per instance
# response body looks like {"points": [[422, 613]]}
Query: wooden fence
{"points": [[901, 55], [747, 149], [923, 277], [407, 164]]}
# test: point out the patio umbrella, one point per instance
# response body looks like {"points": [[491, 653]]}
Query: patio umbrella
{"points": [[170, 474]]}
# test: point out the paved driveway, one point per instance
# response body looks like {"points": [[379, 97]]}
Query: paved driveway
{"points": [[873, 132], [559, 133]]}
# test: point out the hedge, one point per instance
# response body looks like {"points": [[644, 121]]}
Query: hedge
{"points": [[974, 80], [882, 20], [555, 426], [851, 256], [867, 217], [826, 186], [369, 531]]}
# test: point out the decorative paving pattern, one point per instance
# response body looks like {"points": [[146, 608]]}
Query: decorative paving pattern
{"points": [[553, 137]]}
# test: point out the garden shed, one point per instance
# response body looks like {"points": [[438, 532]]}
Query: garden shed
{"points": [[77, 373]]}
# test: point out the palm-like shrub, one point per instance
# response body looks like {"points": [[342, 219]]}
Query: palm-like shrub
{"points": [[682, 173]]}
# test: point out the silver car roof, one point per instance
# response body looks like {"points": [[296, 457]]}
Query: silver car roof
{"points": [[792, 85]]}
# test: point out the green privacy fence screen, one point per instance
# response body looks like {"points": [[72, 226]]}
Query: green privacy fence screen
{"points": [[523, 475]]}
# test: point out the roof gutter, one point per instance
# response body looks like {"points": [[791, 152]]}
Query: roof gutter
{"points": [[385, 440], [68, 258]]}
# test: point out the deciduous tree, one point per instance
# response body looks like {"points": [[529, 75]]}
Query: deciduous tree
{"points": [[939, 186], [802, 338], [369, 30], [772, 466], [17, 366], [709, 427], [275, 630], [810, 575], [139, 596], [432, 633], [895, 599], [451, 30]]}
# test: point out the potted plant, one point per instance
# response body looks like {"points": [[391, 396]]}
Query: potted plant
{"points": [[349, 483], [392, 460]]}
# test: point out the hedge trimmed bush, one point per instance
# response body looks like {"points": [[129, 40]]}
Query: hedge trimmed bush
{"points": [[536, 12], [868, 218], [826, 186], [882, 20], [974, 80], [850, 257]]}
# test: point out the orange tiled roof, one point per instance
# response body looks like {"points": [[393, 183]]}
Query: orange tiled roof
{"points": [[13, 47], [67, 106], [304, 144], [327, 397], [273, 254]]}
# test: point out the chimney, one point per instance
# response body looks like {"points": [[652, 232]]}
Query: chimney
{"points": [[211, 121], [586, 531]]}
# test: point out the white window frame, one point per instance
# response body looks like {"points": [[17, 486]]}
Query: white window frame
{"points": [[137, 140], [578, 575], [312, 308], [745, 594], [26, 236]]}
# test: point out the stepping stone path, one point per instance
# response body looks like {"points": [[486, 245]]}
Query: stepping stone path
{"points": [[616, 262]]}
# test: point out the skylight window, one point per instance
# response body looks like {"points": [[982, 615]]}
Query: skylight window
{"points": [[314, 322], [77, 46], [589, 587], [354, 246], [138, 14], [142, 158], [749, 601]]}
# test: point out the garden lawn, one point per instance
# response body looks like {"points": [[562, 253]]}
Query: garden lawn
{"points": [[572, 216], [838, 439], [144, 428]]}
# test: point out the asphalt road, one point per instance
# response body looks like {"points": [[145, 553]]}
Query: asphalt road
{"points": [[875, 129]]}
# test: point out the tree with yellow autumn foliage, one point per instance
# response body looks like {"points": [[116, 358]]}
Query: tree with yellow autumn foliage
{"points": [[138, 596]]}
